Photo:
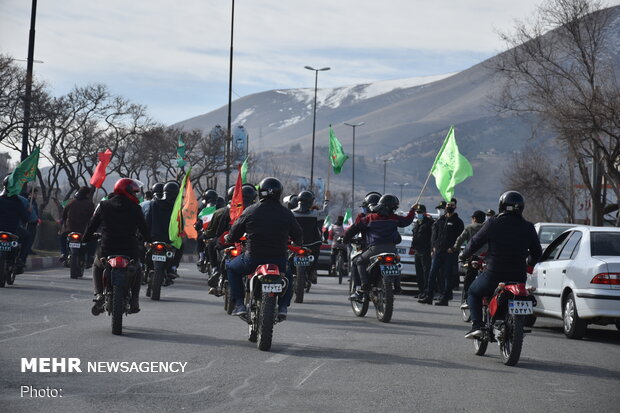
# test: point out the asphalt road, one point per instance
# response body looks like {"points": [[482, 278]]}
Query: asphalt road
{"points": [[323, 358]]}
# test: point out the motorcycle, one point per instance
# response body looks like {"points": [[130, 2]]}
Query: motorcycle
{"points": [[301, 259], [503, 318], [342, 268], [223, 289], [161, 255], [204, 266], [9, 252], [118, 275], [478, 264], [76, 261], [383, 271], [263, 287]]}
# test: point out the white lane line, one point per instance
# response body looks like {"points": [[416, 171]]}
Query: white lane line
{"points": [[233, 392], [168, 378], [286, 353], [32, 334], [12, 329], [200, 390], [72, 300], [310, 374]]}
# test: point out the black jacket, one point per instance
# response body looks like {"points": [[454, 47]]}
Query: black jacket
{"points": [[510, 239], [422, 232], [120, 219], [445, 231], [220, 223], [268, 225], [158, 219]]}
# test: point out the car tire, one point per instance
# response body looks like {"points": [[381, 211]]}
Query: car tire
{"points": [[574, 327]]}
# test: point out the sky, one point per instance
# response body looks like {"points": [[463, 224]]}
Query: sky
{"points": [[173, 55]]}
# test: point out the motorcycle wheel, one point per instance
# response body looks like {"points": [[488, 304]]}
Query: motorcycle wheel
{"points": [[340, 268], [229, 305], [529, 320], [118, 308], [384, 306], [465, 315], [300, 284], [3, 272], [359, 309], [265, 319], [156, 281], [480, 345], [149, 282], [512, 342], [76, 270]]}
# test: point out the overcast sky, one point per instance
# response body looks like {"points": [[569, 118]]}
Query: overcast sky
{"points": [[173, 55]]}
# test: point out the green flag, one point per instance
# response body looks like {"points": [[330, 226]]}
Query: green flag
{"points": [[327, 223], [450, 167], [26, 171], [348, 219], [244, 170], [175, 229], [181, 153], [337, 157]]}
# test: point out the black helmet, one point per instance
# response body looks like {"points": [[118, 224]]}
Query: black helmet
{"points": [[210, 196], [270, 188], [220, 203], [290, 201], [158, 190], [511, 201], [229, 193], [305, 200], [171, 190], [387, 205], [371, 199], [479, 216], [249, 195]]}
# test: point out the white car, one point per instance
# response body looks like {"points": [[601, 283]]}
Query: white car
{"points": [[548, 231], [578, 279]]}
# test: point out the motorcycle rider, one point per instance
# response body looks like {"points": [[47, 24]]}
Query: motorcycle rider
{"points": [[158, 193], [158, 222], [290, 201], [120, 218], [477, 220], [381, 231], [75, 218], [268, 225], [336, 232], [512, 245], [308, 218], [13, 214], [209, 199]]}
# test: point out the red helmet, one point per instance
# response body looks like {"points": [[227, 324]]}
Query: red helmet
{"points": [[128, 187]]}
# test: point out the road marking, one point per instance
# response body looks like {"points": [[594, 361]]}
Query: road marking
{"points": [[310, 374], [233, 392], [284, 354], [12, 329], [72, 300], [32, 334]]}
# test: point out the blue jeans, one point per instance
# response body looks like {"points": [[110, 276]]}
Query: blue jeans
{"points": [[245, 264], [483, 286], [444, 262]]}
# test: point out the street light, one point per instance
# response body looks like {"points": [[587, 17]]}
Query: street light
{"points": [[316, 82], [401, 189], [230, 73], [385, 161], [353, 125], [28, 94]]}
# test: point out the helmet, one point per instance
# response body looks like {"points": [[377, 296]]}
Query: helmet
{"points": [[210, 196], [82, 193], [220, 203], [229, 193], [128, 187], [290, 201], [171, 190], [5, 185], [305, 200], [249, 195], [511, 201], [479, 216], [270, 188], [387, 205], [371, 199], [158, 190]]}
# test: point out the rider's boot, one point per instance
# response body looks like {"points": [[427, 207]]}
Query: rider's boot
{"points": [[99, 301]]}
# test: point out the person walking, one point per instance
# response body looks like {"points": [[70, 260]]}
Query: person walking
{"points": [[421, 244]]}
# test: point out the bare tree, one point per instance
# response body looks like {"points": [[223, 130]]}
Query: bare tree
{"points": [[568, 78]]}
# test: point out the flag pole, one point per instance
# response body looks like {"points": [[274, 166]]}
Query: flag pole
{"points": [[423, 188], [31, 195], [329, 174]]}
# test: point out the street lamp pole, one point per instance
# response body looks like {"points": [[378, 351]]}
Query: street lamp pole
{"points": [[316, 83], [28, 94], [401, 189], [353, 125], [230, 73]]}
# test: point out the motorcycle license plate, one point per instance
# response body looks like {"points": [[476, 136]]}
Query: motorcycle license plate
{"points": [[519, 307], [75, 245], [302, 261], [5, 246], [161, 258], [401, 251], [389, 270], [272, 288]]}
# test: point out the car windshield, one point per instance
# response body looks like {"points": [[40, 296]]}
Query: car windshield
{"points": [[550, 232], [605, 243]]}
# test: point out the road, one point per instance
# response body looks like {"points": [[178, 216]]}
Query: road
{"points": [[323, 358]]}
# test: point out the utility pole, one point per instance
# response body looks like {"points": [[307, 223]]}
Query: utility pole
{"points": [[28, 94]]}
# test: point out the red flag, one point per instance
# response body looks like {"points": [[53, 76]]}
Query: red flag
{"points": [[99, 175], [236, 204]]}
